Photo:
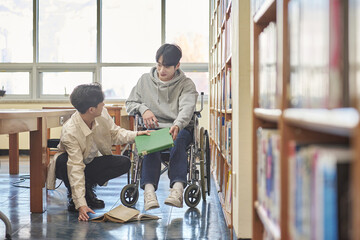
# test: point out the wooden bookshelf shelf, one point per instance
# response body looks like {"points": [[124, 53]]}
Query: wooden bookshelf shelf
{"points": [[316, 128], [341, 121], [223, 24], [228, 60], [217, 185], [220, 100], [269, 225], [271, 115], [228, 218], [266, 13]]}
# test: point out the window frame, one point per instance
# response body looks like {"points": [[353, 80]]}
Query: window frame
{"points": [[36, 68]]}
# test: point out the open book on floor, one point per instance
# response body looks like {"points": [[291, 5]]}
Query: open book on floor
{"points": [[157, 141], [122, 214]]}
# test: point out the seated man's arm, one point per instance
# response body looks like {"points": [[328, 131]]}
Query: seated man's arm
{"points": [[134, 104], [187, 105]]}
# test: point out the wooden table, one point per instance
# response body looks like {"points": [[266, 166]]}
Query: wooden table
{"points": [[14, 121], [114, 112]]}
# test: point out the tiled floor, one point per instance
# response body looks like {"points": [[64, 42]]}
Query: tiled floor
{"points": [[204, 222]]}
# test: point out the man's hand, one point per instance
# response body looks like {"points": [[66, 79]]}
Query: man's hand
{"points": [[83, 210], [174, 130], [150, 120], [147, 132]]}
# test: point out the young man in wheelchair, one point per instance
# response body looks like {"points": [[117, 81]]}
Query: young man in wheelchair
{"points": [[165, 96]]}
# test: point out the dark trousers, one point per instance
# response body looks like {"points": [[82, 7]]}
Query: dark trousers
{"points": [[98, 171], [151, 166]]}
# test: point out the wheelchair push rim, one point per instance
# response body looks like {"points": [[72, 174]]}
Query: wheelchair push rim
{"points": [[204, 163]]}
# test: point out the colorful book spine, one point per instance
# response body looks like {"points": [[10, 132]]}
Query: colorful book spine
{"points": [[319, 203]]}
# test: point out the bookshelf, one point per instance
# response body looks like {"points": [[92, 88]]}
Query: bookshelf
{"points": [[306, 128], [220, 102]]}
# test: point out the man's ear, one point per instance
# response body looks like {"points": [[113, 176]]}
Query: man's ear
{"points": [[91, 110], [177, 66]]}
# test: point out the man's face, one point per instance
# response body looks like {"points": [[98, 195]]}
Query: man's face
{"points": [[166, 73]]}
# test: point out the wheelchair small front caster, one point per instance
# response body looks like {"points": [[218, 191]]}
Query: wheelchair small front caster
{"points": [[129, 195], [192, 195]]}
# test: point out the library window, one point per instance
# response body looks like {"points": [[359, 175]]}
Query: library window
{"points": [[201, 80], [65, 81], [192, 36], [15, 83], [129, 37], [60, 44], [67, 31], [119, 81], [16, 31]]}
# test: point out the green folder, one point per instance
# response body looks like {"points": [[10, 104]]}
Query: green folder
{"points": [[157, 141]]}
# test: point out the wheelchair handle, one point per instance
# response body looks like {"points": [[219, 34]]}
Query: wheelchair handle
{"points": [[202, 101]]}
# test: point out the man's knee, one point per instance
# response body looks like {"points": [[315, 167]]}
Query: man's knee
{"points": [[127, 163], [123, 163]]}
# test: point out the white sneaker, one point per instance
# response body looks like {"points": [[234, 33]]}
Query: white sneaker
{"points": [[175, 198], [150, 200]]}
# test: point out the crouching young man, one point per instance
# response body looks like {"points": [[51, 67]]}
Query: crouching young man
{"points": [[88, 132]]}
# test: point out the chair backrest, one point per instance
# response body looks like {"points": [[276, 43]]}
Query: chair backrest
{"points": [[52, 143]]}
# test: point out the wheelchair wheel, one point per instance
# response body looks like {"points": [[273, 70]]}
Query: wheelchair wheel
{"points": [[202, 164], [129, 195], [192, 196], [205, 163]]}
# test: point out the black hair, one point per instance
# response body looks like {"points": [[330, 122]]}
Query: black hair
{"points": [[171, 54], [85, 96]]}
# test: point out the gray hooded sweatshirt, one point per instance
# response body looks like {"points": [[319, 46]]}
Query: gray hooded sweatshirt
{"points": [[172, 102]]}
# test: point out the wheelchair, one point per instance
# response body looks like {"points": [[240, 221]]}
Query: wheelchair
{"points": [[198, 170]]}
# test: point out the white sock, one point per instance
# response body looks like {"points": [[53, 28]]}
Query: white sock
{"points": [[179, 186], [149, 187]]}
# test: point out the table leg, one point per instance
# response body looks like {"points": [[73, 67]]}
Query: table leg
{"points": [[14, 153], [38, 168]]}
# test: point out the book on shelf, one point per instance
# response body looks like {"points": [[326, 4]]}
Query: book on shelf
{"points": [[228, 38], [228, 141], [223, 48], [219, 63], [212, 124], [256, 4], [222, 135], [318, 44], [268, 172], [122, 214], [296, 92], [228, 89], [223, 95], [219, 95], [228, 193], [268, 85], [320, 196]]}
